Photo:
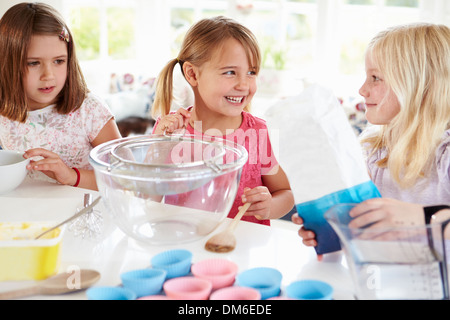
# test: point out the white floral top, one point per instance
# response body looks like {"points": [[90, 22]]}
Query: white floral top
{"points": [[68, 135]]}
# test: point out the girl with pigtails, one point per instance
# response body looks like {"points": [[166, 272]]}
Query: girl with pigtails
{"points": [[220, 59]]}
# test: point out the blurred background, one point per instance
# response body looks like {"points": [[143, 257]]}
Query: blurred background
{"points": [[122, 45]]}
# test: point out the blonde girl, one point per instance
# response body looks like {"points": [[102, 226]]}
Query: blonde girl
{"points": [[220, 59], [46, 110], [406, 91]]}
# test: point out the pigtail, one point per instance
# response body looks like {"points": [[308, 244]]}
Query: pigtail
{"points": [[164, 90]]}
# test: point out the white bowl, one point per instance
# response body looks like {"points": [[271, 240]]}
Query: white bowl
{"points": [[13, 170]]}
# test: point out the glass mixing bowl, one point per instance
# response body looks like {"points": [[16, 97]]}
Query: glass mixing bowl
{"points": [[168, 189]]}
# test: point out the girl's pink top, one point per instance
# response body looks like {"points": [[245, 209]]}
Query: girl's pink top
{"points": [[254, 136]]}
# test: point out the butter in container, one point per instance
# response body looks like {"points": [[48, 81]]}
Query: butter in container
{"points": [[24, 258]]}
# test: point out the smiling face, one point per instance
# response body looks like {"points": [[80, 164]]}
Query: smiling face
{"points": [[46, 70], [381, 103], [225, 84]]}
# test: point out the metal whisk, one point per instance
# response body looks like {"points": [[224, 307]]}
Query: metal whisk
{"points": [[89, 224]]}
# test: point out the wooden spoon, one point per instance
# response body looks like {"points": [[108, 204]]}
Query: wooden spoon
{"points": [[57, 284], [225, 240]]}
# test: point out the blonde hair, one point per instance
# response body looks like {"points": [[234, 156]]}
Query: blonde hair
{"points": [[415, 62], [17, 26], [200, 43]]}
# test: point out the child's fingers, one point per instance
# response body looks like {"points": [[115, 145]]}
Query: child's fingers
{"points": [[295, 218], [39, 152], [255, 195], [170, 123], [184, 113]]}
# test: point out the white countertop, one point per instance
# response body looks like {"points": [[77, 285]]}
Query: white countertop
{"points": [[113, 252]]}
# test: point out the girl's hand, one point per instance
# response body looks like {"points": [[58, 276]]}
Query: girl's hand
{"points": [[261, 200], [173, 121], [52, 166], [309, 237], [386, 213]]}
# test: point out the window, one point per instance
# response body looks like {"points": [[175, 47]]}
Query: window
{"points": [[359, 22], [321, 40], [121, 25], [85, 27], [403, 3], [185, 13], [103, 30], [278, 40]]}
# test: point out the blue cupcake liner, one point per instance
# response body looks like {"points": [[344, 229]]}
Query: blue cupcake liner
{"points": [[266, 280], [176, 262], [110, 293], [144, 282]]}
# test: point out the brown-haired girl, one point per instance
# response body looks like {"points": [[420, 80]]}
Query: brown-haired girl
{"points": [[220, 59], [46, 110]]}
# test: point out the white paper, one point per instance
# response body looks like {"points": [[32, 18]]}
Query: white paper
{"points": [[315, 144]]}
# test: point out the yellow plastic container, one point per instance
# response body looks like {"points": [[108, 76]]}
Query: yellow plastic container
{"points": [[22, 257]]}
